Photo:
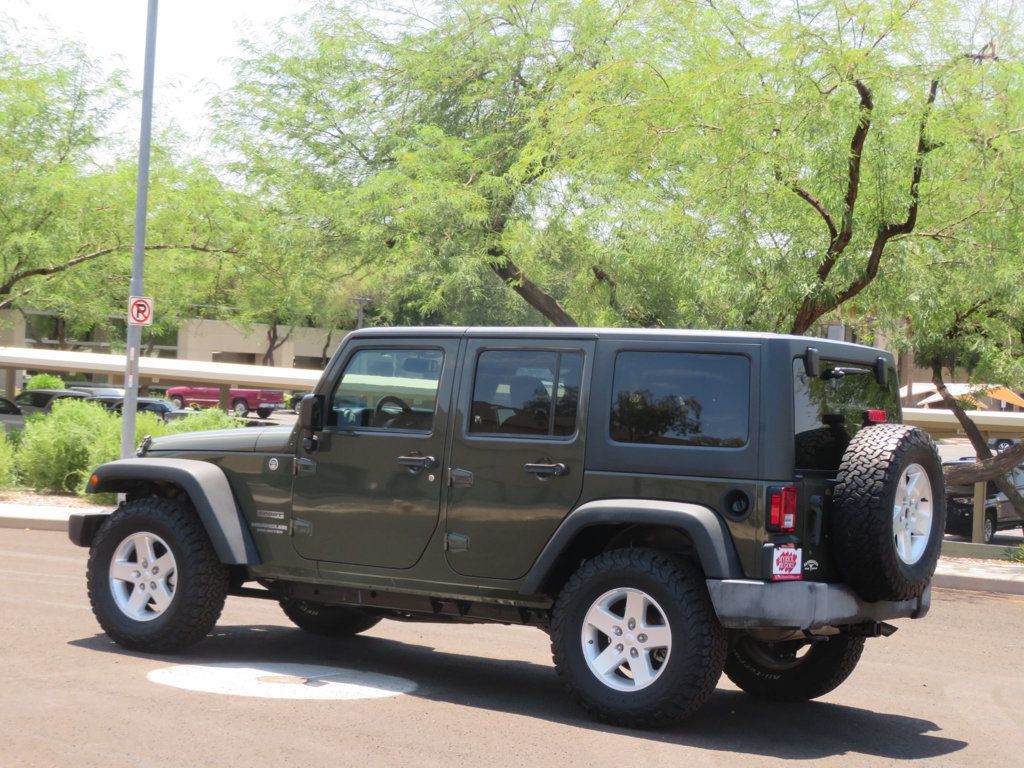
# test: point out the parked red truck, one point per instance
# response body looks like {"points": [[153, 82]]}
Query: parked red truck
{"points": [[241, 401]]}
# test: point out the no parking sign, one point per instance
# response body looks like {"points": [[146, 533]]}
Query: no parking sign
{"points": [[140, 310]]}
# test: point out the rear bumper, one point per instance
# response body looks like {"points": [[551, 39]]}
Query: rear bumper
{"points": [[745, 604]]}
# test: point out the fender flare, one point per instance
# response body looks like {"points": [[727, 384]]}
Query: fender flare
{"points": [[707, 531], [206, 486]]}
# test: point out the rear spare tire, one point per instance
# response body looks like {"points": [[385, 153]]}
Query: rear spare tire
{"points": [[888, 512]]}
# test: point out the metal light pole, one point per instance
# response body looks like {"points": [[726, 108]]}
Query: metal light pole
{"points": [[134, 336]]}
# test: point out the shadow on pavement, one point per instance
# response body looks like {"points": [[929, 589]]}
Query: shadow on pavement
{"points": [[729, 722]]}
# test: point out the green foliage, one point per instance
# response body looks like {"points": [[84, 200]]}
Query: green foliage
{"points": [[57, 452], [6, 461], [45, 381], [207, 418], [1017, 554], [54, 452]]}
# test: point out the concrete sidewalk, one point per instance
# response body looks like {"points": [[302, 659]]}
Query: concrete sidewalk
{"points": [[952, 573]]}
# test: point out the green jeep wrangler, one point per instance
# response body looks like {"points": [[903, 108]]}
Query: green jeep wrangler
{"points": [[665, 504]]}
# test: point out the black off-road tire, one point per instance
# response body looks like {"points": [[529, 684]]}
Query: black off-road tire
{"points": [[861, 521], [774, 672], [328, 620], [699, 643], [201, 580]]}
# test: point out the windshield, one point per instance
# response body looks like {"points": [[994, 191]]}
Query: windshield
{"points": [[830, 409]]}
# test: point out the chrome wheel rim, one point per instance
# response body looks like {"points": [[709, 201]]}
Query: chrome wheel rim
{"points": [[626, 639], [143, 576], [912, 514]]}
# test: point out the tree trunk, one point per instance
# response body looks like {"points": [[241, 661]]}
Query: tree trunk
{"points": [[273, 343], [534, 295], [989, 467]]}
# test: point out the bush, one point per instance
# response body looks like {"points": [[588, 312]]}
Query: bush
{"points": [[56, 453], [1017, 554], [53, 454], [45, 381], [6, 461]]}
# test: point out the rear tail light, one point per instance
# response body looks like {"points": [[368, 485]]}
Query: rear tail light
{"points": [[782, 509], [875, 417]]}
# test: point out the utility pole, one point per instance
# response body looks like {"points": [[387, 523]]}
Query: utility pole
{"points": [[134, 336], [362, 301]]}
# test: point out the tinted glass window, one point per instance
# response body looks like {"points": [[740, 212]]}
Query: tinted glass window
{"points": [[391, 389], [680, 398], [830, 410], [33, 399], [526, 392], [6, 406]]}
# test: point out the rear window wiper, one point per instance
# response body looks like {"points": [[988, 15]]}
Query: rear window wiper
{"points": [[839, 372]]}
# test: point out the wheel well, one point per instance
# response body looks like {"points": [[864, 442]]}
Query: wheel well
{"points": [[595, 539]]}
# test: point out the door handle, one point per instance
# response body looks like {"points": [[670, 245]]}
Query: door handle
{"points": [[415, 462], [544, 470]]}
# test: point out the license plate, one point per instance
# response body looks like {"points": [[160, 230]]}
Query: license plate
{"points": [[787, 563]]}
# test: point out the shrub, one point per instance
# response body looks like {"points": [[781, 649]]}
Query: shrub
{"points": [[1017, 554], [53, 454], [57, 452], [210, 418], [6, 461], [45, 381]]}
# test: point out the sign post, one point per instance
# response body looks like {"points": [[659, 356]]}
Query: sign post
{"points": [[140, 308]]}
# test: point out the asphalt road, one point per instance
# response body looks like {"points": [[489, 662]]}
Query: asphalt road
{"points": [[944, 691]]}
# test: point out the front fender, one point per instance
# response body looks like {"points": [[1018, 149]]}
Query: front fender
{"points": [[207, 488], [707, 531]]}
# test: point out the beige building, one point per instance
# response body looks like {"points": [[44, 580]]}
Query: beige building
{"points": [[202, 340]]}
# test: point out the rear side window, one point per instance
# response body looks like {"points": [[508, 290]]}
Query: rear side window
{"points": [[526, 392], [830, 410], [681, 398]]}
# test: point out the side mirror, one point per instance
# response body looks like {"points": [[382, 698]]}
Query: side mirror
{"points": [[812, 363], [311, 413]]}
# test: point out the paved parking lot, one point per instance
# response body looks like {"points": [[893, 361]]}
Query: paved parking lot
{"points": [[944, 691]]}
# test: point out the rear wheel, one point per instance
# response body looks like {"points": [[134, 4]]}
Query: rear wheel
{"points": [[635, 639], [155, 581], [328, 620], [989, 529], [792, 670]]}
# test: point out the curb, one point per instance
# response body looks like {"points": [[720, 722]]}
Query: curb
{"points": [[978, 583]]}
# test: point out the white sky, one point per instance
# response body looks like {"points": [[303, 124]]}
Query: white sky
{"points": [[195, 41]]}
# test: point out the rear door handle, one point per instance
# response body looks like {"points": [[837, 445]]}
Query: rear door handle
{"points": [[547, 470], [415, 462]]}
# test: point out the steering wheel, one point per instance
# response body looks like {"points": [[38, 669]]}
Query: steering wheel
{"points": [[378, 411]]}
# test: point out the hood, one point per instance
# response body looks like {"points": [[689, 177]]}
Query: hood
{"points": [[243, 439]]}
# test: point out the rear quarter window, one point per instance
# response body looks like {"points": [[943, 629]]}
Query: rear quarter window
{"points": [[680, 398]]}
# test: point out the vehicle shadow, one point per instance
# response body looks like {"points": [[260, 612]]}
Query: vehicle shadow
{"points": [[729, 722]]}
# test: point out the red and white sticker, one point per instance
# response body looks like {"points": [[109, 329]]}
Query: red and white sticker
{"points": [[786, 563]]}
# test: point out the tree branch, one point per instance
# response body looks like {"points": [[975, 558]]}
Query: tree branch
{"points": [[534, 295]]}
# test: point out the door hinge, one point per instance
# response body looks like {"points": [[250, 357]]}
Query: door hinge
{"points": [[456, 542]]}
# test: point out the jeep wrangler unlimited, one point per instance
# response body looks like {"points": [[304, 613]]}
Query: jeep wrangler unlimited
{"points": [[665, 504]]}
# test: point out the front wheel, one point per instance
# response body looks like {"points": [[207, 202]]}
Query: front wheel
{"points": [[792, 670], [155, 581], [178, 402], [635, 638], [240, 407]]}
